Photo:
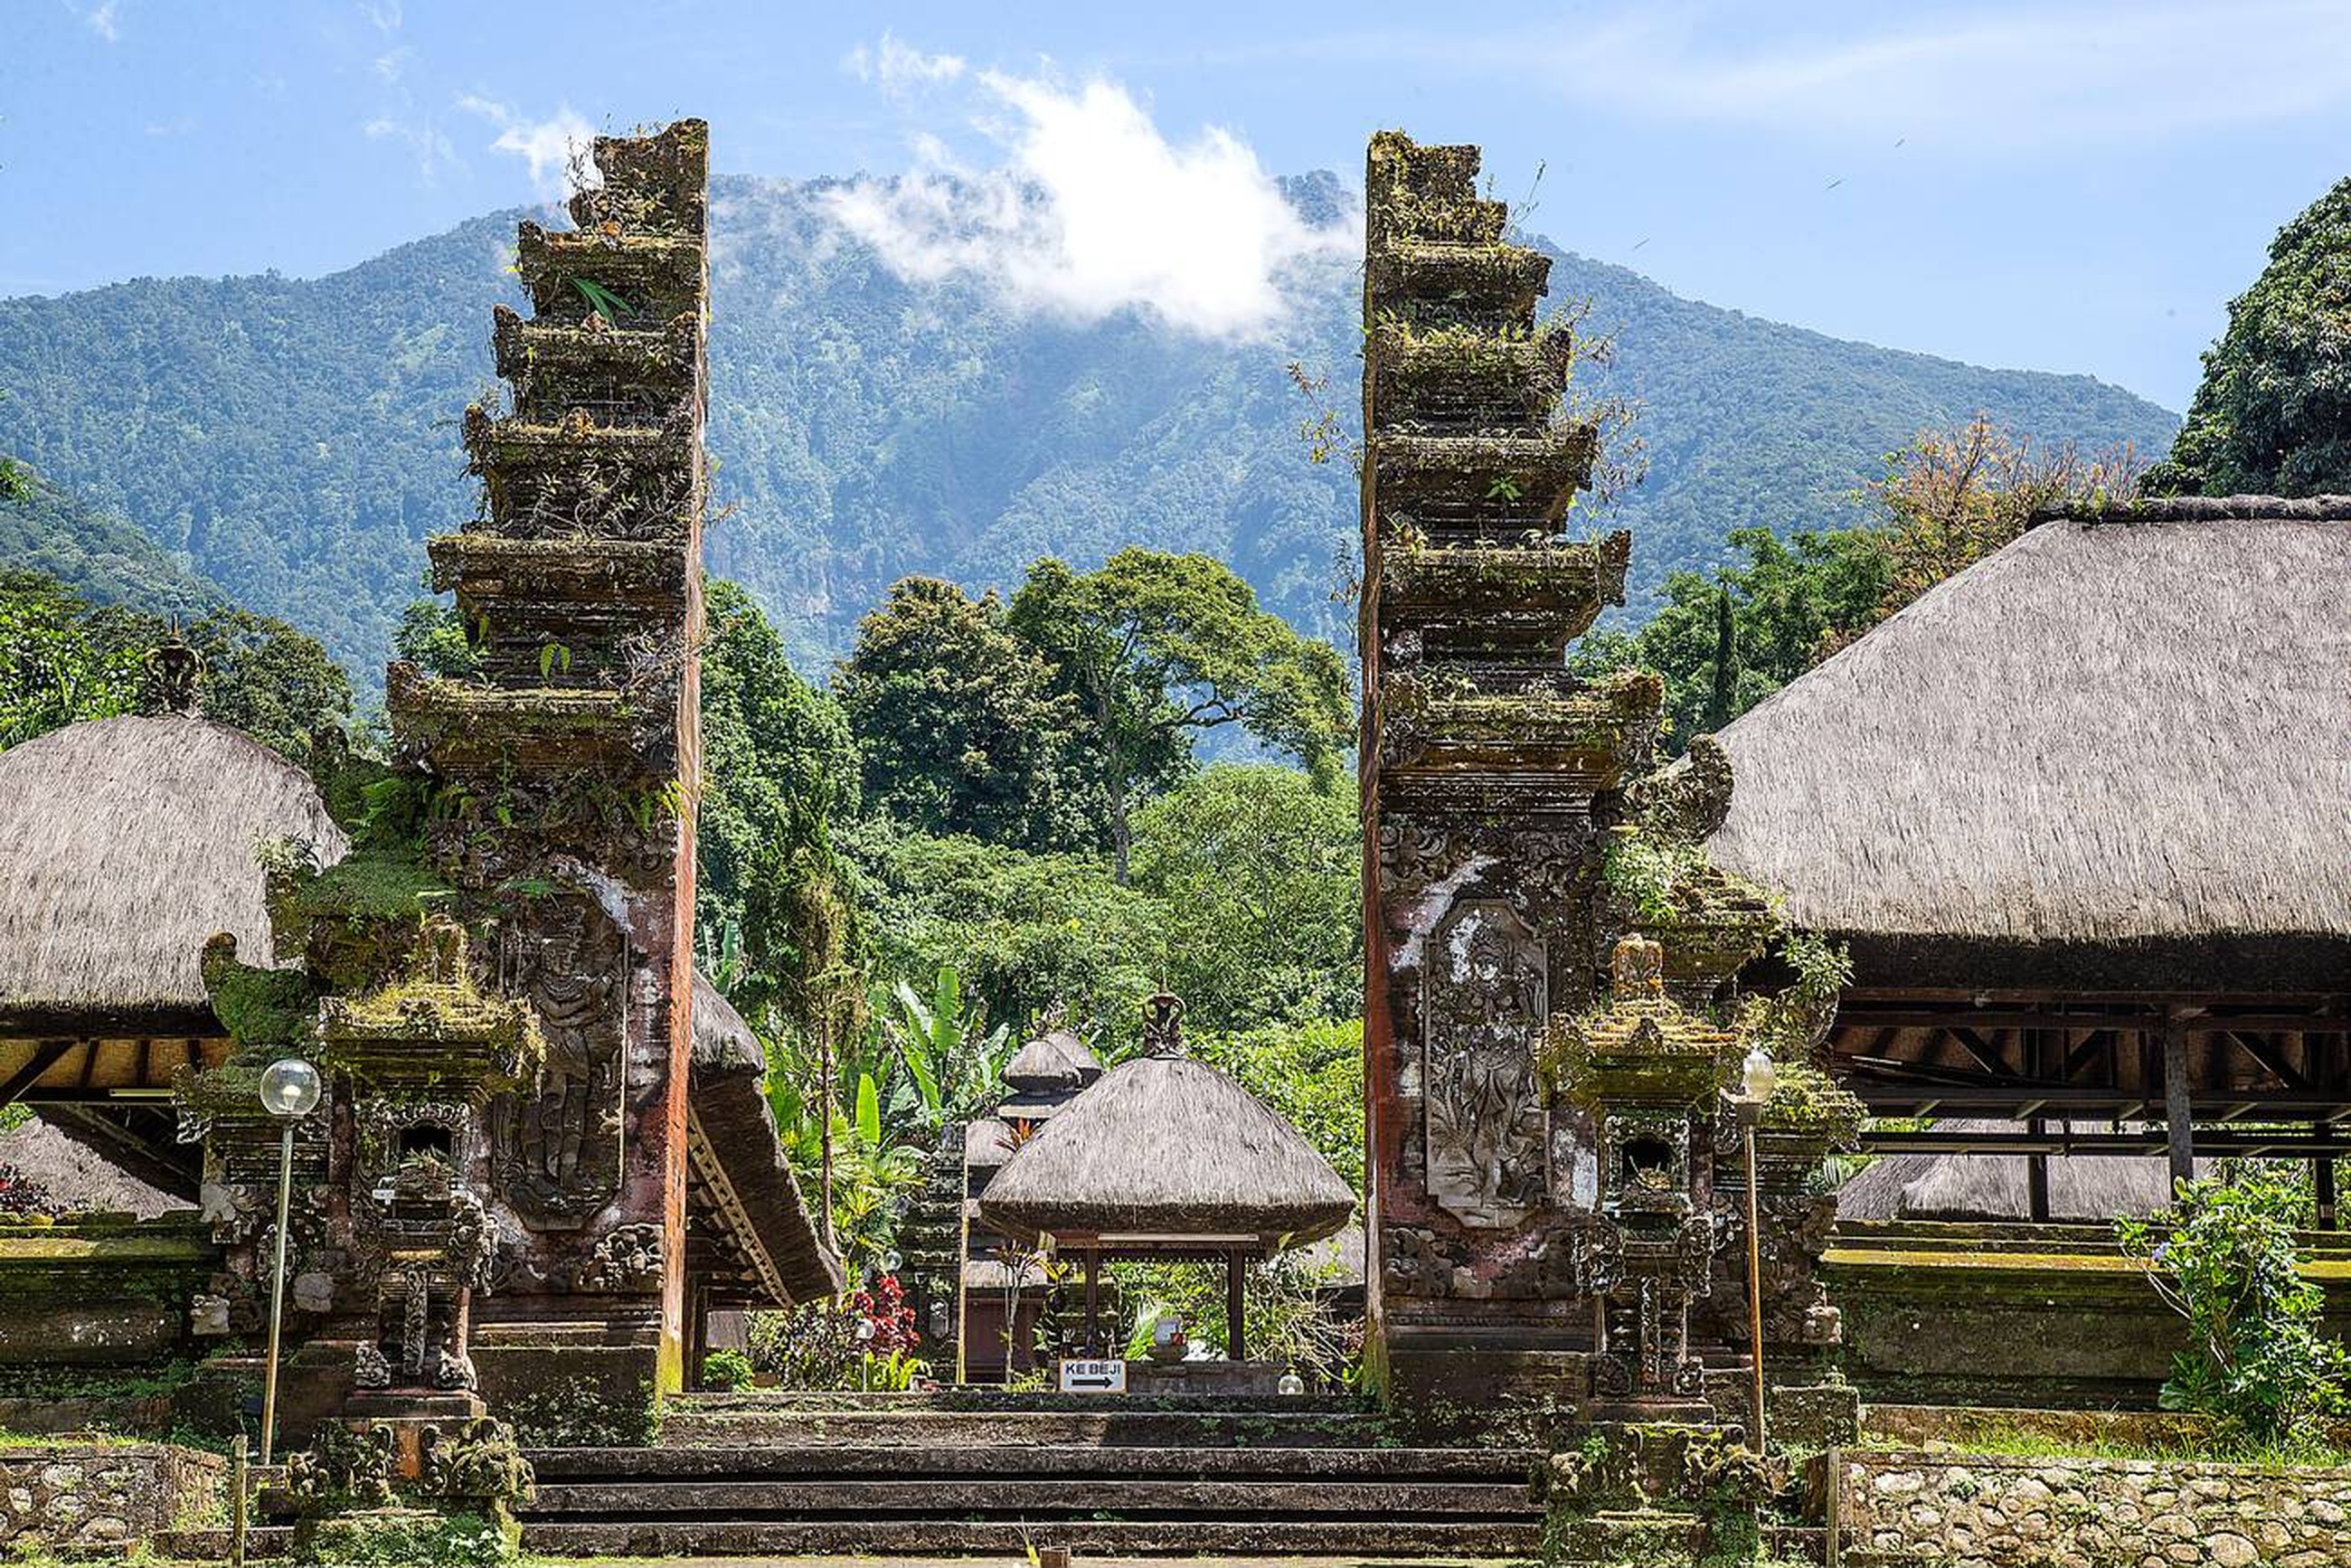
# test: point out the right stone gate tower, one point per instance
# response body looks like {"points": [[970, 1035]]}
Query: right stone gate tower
{"points": [[1494, 786]]}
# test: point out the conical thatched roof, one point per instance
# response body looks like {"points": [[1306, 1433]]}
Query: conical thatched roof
{"points": [[124, 843], [1166, 1147], [2088, 1189], [2127, 732]]}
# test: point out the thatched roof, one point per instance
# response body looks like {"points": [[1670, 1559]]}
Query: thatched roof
{"points": [[124, 843], [742, 1185], [2129, 734], [81, 1180], [2091, 1188], [1164, 1147]]}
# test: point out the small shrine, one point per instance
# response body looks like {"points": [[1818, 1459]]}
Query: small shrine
{"points": [[423, 1057], [1648, 1071]]}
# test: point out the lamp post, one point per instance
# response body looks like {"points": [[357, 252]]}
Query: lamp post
{"points": [[289, 1091], [1758, 1078]]}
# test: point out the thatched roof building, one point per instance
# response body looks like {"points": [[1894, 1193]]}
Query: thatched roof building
{"points": [[124, 843], [2094, 1189], [1167, 1152], [2079, 814], [2114, 752]]}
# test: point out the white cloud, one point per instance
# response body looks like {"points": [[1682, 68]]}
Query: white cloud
{"points": [[390, 64], [100, 19], [547, 145], [432, 151], [1090, 209], [384, 13], [895, 65]]}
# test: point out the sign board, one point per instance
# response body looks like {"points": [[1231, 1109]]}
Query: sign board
{"points": [[1108, 1376]]}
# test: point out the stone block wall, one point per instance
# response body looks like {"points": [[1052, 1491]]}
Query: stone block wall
{"points": [[1982, 1511], [68, 1495]]}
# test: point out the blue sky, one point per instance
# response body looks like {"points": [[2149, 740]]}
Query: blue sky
{"points": [[2062, 186]]}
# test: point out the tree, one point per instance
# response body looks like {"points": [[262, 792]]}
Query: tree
{"points": [[63, 660], [1260, 872], [431, 637], [957, 721], [2273, 414], [1952, 498], [1160, 648], [1787, 602], [1023, 931], [779, 770], [50, 674]]}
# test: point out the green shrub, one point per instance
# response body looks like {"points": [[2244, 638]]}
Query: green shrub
{"points": [[2223, 1257], [727, 1369]]}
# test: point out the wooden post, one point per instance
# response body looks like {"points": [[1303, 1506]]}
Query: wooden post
{"points": [[2179, 1118], [240, 1485], [2322, 1176], [1236, 1313], [1835, 1505], [1093, 1301], [2036, 1179]]}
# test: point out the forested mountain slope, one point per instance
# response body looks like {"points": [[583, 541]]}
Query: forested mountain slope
{"points": [[296, 439]]}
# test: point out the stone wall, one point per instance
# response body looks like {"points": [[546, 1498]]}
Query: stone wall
{"points": [[1984, 1511], [79, 1495]]}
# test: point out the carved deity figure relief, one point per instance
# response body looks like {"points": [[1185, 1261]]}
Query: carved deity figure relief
{"points": [[1485, 996], [559, 1149]]}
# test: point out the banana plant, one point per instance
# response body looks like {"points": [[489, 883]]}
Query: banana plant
{"points": [[953, 1063]]}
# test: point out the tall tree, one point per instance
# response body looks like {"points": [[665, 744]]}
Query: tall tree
{"points": [[958, 723], [1259, 870], [63, 660], [2273, 413], [1158, 649], [779, 770]]}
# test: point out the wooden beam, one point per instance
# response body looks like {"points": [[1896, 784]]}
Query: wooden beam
{"points": [[1236, 1309], [2266, 1058], [45, 1055], [2036, 1179]]}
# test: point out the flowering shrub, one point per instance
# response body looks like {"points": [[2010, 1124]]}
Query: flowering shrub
{"points": [[22, 1197], [818, 1345]]}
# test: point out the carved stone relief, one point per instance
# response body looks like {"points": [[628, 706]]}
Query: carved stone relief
{"points": [[558, 1151], [1484, 995]]}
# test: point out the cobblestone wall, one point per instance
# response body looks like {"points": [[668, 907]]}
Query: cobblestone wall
{"points": [[1976, 1511], [91, 1495]]}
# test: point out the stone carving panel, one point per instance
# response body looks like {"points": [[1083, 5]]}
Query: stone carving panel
{"points": [[558, 1151], [1485, 998]]}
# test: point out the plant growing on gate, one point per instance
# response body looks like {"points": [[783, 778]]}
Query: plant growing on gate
{"points": [[2224, 1257]]}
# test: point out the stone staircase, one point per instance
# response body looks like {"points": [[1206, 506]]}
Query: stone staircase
{"points": [[990, 1475]]}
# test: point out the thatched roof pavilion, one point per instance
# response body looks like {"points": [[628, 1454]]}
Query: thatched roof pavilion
{"points": [[124, 843], [1167, 1157], [2091, 1189], [2079, 813]]}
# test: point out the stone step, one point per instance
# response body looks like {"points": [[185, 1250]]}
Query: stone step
{"points": [[1364, 1542], [997, 1400], [696, 1426], [1363, 1538], [789, 1462], [1030, 1497]]}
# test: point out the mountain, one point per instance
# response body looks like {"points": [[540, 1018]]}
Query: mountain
{"points": [[102, 559], [296, 440]]}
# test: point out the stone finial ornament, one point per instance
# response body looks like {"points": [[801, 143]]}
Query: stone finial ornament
{"points": [[173, 671]]}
